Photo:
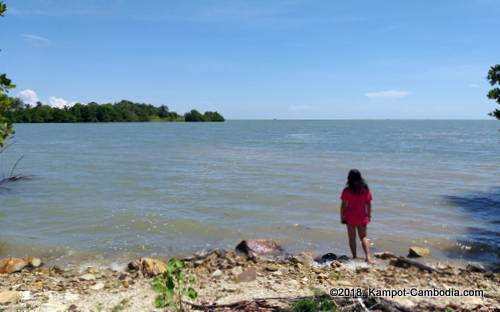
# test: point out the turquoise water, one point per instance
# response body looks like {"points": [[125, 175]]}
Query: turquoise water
{"points": [[116, 190]]}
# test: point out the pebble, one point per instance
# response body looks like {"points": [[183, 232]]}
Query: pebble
{"points": [[25, 295], [247, 276], [87, 277], [9, 297], [148, 266], [35, 262], [97, 286], [272, 267], [217, 273], [71, 296], [52, 307], [237, 270]]}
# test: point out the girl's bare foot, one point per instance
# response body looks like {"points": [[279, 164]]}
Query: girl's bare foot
{"points": [[370, 260]]}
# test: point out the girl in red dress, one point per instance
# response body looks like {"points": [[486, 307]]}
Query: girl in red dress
{"points": [[356, 211]]}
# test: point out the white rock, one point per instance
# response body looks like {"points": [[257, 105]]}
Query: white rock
{"points": [[237, 270], [52, 307], [25, 295], [217, 273], [87, 277], [36, 262], [71, 297], [97, 286]]}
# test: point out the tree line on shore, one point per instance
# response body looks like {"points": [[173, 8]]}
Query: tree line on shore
{"points": [[123, 111]]}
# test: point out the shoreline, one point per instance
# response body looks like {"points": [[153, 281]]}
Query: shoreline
{"points": [[226, 278], [81, 258]]}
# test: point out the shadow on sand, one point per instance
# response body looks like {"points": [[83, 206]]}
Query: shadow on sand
{"points": [[479, 243]]}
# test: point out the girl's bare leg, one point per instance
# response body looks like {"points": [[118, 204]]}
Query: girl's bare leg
{"points": [[351, 233], [365, 242]]}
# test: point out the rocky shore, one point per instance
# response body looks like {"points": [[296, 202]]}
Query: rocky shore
{"points": [[257, 276]]}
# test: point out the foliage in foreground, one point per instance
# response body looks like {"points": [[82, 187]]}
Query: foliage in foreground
{"points": [[494, 94], [317, 304], [174, 285], [123, 111], [5, 102]]}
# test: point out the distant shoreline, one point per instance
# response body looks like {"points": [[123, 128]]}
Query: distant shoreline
{"points": [[123, 111]]}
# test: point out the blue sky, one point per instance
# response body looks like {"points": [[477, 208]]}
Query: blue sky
{"points": [[258, 59]]}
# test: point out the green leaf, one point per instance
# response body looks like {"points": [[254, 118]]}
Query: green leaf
{"points": [[175, 264], [158, 286], [181, 277], [3, 8], [159, 302], [170, 283], [169, 294], [191, 293]]}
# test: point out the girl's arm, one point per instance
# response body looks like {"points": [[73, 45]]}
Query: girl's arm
{"points": [[369, 209], [343, 207]]}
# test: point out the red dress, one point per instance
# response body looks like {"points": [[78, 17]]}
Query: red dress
{"points": [[355, 212]]}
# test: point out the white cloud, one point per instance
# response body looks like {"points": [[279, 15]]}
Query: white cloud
{"points": [[387, 94], [28, 96], [59, 102], [36, 40], [474, 86]]}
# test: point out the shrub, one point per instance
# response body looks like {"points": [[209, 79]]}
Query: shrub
{"points": [[173, 285]]}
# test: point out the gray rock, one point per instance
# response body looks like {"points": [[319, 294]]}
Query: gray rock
{"points": [[259, 247], [415, 252], [326, 258], [475, 267], [343, 258]]}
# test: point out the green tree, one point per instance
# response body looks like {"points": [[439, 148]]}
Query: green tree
{"points": [[194, 116], [123, 111], [494, 94], [213, 116], [5, 102]]}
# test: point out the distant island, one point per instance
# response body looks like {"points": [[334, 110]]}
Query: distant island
{"points": [[123, 111]]}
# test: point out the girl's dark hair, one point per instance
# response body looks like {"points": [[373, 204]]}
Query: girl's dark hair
{"points": [[355, 181]]}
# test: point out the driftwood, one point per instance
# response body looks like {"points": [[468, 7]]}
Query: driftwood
{"points": [[382, 304], [403, 262], [11, 177], [342, 303], [245, 305]]}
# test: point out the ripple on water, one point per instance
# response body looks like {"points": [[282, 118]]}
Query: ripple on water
{"points": [[168, 188]]}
